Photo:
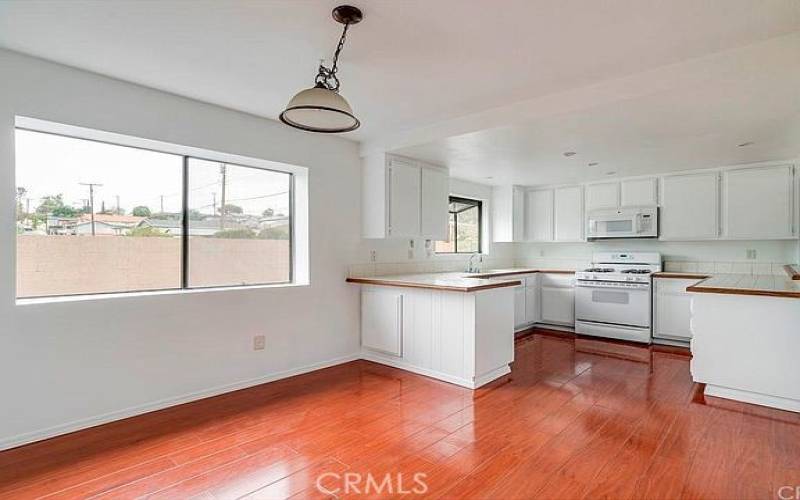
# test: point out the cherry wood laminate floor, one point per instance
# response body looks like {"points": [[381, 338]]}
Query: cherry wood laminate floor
{"points": [[576, 418]]}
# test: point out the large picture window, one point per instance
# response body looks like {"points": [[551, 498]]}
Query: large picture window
{"points": [[464, 227], [95, 217]]}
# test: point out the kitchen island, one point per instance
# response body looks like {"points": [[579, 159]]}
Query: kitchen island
{"points": [[443, 325], [746, 338]]}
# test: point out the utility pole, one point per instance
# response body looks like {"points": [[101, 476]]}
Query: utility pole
{"points": [[214, 204], [27, 206], [223, 171], [91, 199], [162, 203], [117, 204]]}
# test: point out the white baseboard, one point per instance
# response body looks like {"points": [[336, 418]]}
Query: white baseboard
{"points": [[445, 377], [30, 437], [753, 398]]}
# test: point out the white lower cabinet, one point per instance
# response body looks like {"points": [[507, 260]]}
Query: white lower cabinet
{"points": [[466, 338], [382, 320], [532, 299], [557, 299], [519, 307], [672, 309]]}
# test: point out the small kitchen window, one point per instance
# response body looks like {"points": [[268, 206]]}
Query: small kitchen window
{"points": [[464, 227]]}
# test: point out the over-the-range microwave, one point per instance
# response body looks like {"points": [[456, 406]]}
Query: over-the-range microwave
{"points": [[638, 222]]}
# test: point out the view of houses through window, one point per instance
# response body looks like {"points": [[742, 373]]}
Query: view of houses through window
{"points": [[464, 227], [93, 217]]}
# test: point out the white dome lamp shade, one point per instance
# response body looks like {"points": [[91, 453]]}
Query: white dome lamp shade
{"points": [[321, 108]]}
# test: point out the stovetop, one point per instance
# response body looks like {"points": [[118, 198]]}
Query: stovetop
{"points": [[625, 267]]}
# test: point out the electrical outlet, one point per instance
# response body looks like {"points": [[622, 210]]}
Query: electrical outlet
{"points": [[751, 254], [373, 256], [259, 343], [410, 243]]}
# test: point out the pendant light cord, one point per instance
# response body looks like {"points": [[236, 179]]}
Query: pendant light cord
{"points": [[327, 77]]}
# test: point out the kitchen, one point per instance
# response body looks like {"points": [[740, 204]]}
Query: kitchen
{"points": [[635, 296], [452, 249]]}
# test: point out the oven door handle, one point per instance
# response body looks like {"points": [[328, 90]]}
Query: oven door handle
{"points": [[639, 286]]}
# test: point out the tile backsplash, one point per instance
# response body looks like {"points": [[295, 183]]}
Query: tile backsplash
{"points": [[437, 265], [459, 264]]}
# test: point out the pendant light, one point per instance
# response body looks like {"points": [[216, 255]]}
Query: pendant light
{"points": [[321, 108]]}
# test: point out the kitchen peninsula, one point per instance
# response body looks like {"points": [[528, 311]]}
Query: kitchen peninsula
{"points": [[745, 341], [443, 325]]}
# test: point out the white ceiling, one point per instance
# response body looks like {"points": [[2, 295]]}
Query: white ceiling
{"points": [[423, 73]]}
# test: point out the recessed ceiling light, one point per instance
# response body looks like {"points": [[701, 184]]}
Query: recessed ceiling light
{"points": [[610, 173], [489, 178], [745, 144], [593, 164], [570, 153]]}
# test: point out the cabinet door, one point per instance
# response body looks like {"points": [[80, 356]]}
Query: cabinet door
{"points": [[605, 195], [639, 192], [689, 207], [435, 202], [758, 202], [382, 320], [508, 214], [672, 309], [539, 225], [519, 306], [568, 208], [558, 305], [404, 199], [531, 304]]}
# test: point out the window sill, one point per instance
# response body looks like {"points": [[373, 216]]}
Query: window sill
{"points": [[125, 295]]}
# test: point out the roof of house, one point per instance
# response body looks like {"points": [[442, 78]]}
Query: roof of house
{"points": [[112, 218], [193, 224]]}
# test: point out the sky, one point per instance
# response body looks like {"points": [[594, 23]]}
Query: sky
{"points": [[48, 164]]}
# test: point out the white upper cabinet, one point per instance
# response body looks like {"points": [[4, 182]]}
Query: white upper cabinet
{"points": [[403, 198], [539, 215], [435, 203], [568, 210], [604, 195], [690, 206], [639, 192], [758, 203], [405, 183], [508, 214]]}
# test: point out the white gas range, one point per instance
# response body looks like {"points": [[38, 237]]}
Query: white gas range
{"points": [[613, 297]]}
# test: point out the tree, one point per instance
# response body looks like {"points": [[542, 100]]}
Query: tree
{"points": [[21, 191], [274, 233], [141, 211], [54, 205], [230, 208], [268, 213], [147, 232]]}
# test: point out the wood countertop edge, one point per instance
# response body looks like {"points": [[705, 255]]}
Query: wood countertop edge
{"points": [[793, 273], [406, 284], [700, 288], [686, 276]]}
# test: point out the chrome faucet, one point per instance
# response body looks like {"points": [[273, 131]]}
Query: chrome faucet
{"points": [[471, 267]]}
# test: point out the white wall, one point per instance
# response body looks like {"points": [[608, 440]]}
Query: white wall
{"points": [[67, 365]]}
